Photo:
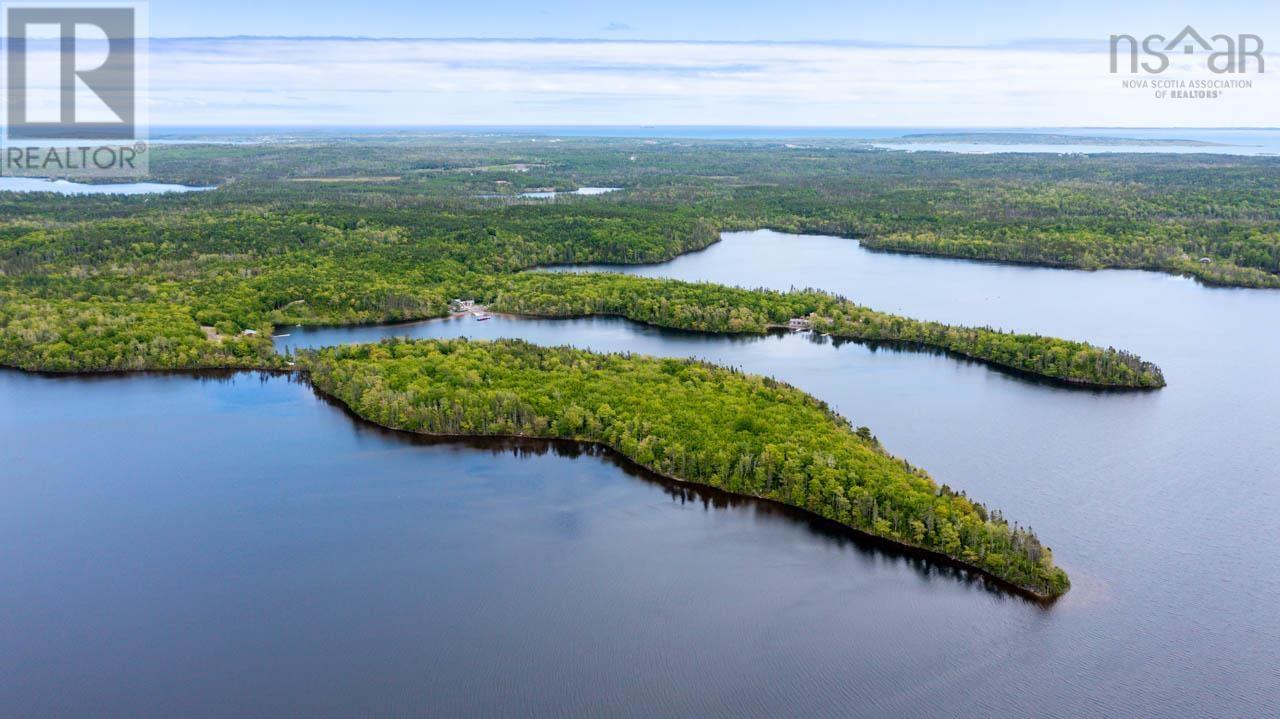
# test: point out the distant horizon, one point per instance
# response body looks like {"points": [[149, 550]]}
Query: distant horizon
{"points": [[1251, 141], [691, 125], [813, 64], [625, 82]]}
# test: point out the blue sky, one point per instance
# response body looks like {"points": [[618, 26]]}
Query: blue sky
{"points": [[749, 62]]}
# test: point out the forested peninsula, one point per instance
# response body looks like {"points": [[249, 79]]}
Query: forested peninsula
{"points": [[716, 308], [690, 421]]}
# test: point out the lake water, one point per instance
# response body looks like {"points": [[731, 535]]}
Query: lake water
{"points": [[66, 187], [579, 191], [240, 546]]}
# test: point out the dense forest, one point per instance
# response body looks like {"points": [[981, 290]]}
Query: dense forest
{"points": [[1214, 217], [742, 433], [180, 290], [175, 281]]}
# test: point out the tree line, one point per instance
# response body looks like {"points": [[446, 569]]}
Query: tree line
{"points": [[734, 431], [715, 308], [173, 289]]}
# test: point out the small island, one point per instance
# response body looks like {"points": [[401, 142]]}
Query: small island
{"points": [[737, 432]]}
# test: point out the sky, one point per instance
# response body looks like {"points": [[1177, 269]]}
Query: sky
{"points": [[796, 63], [894, 21]]}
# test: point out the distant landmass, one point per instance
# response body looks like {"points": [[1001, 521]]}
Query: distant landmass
{"points": [[1036, 138]]}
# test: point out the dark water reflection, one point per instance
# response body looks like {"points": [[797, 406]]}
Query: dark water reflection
{"points": [[238, 546], [685, 492]]}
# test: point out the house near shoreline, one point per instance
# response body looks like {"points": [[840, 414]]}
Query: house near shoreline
{"points": [[459, 305]]}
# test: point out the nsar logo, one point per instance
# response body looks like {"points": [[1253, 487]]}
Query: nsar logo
{"points": [[1227, 54]]}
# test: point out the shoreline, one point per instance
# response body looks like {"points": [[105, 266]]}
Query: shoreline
{"points": [[1064, 382], [1044, 600], [1027, 593], [999, 367], [869, 244], [1203, 281]]}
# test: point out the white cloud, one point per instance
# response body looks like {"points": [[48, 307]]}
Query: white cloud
{"points": [[246, 81]]}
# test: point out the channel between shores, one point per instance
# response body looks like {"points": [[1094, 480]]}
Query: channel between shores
{"points": [[873, 343], [274, 361], [905, 345], [303, 374], [279, 361]]}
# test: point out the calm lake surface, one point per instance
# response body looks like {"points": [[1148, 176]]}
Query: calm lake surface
{"points": [[66, 187], [551, 194], [171, 545]]}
